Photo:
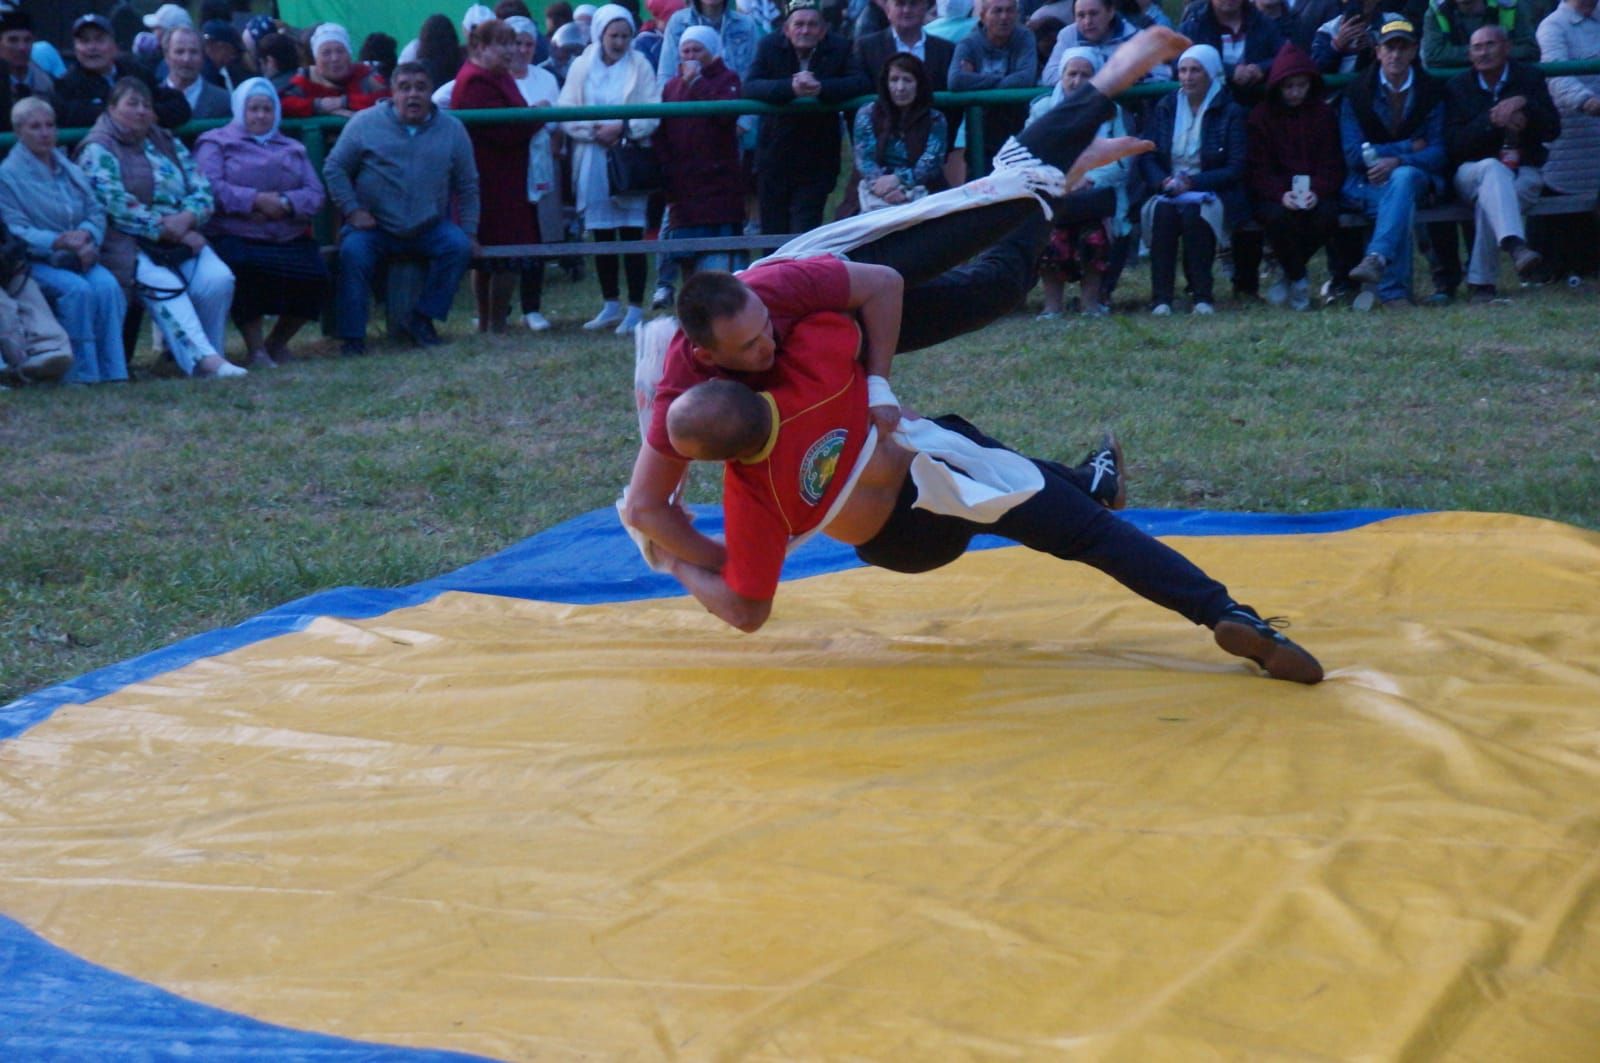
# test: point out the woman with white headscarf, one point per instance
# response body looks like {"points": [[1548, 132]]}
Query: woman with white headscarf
{"points": [[266, 194], [334, 83], [610, 72], [1091, 216], [1197, 171]]}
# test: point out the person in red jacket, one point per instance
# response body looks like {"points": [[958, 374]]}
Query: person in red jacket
{"points": [[1294, 169], [334, 83], [501, 152], [699, 160]]}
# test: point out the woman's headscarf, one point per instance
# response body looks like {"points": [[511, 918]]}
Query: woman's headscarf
{"points": [[605, 16], [1186, 131], [1090, 55], [241, 96], [521, 24], [706, 37], [330, 31], [475, 15]]}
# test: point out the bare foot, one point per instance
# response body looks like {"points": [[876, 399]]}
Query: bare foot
{"points": [[1103, 151], [1139, 55]]}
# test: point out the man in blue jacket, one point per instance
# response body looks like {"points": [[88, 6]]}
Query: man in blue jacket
{"points": [[1399, 112]]}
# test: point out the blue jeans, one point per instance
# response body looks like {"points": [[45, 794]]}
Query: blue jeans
{"points": [[1393, 204], [669, 266], [446, 248], [90, 306]]}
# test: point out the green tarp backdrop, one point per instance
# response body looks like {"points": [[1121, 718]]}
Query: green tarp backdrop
{"points": [[398, 18]]}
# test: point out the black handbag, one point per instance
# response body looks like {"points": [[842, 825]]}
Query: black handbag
{"points": [[631, 168], [169, 257]]}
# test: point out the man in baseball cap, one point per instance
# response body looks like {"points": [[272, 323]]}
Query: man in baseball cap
{"points": [[81, 95], [223, 48]]}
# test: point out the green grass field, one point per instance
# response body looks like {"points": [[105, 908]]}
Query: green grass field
{"points": [[137, 515]]}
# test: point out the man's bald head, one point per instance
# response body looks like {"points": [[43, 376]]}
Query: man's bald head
{"points": [[719, 420]]}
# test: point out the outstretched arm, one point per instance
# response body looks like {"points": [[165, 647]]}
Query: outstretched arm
{"points": [[876, 294], [649, 507], [720, 600]]}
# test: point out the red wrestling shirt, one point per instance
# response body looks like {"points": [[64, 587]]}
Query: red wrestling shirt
{"points": [[789, 290], [819, 397]]}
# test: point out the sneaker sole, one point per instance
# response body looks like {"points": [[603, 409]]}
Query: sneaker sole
{"points": [[1278, 657]]}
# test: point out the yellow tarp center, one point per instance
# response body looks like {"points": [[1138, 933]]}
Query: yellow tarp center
{"points": [[1005, 810]]}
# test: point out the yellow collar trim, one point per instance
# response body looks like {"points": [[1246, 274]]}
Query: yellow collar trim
{"points": [[772, 435]]}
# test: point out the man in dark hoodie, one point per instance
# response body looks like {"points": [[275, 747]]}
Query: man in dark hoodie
{"points": [[1294, 170], [1395, 113]]}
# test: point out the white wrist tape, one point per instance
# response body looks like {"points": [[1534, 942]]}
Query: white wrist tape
{"points": [[879, 393]]}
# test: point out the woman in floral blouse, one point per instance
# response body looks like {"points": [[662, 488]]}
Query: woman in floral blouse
{"points": [[900, 139], [156, 203]]}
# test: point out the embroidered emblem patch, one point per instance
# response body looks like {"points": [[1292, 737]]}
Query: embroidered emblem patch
{"points": [[819, 465]]}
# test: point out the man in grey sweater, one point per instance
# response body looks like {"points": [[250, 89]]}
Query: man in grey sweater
{"points": [[997, 54], [393, 174]]}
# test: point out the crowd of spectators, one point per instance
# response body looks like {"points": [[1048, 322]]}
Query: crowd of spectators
{"points": [[1437, 102]]}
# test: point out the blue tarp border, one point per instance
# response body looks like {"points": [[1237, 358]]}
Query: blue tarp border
{"points": [[584, 561], [57, 1006]]}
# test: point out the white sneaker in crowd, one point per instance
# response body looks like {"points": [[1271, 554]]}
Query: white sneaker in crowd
{"points": [[536, 321], [1161, 310], [609, 315], [633, 320], [1204, 308], [1278, 294]]}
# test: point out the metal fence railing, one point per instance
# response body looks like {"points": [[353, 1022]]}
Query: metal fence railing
{"points": [[314, 132]]}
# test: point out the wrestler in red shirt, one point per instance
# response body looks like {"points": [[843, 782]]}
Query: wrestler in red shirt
{"points": [[739, 338]]}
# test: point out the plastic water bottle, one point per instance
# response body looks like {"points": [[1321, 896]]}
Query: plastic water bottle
{"points": [[1369, 154]]}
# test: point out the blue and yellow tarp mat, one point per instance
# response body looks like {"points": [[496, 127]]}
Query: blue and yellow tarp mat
{"points": [[546, 809]]}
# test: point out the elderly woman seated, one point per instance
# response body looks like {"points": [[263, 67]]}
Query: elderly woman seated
{"points": [[47, 202], [266, 193], [156, 202], [1197, 170], [334, 83], [1093, 215]]}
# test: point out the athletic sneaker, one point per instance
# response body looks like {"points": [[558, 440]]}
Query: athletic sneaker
{"points": [[536, 321], [1278, 294], [661, 298], [1243, 633], [610, 314], [1204, 308], [1107, 484], [1161, 310]]}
